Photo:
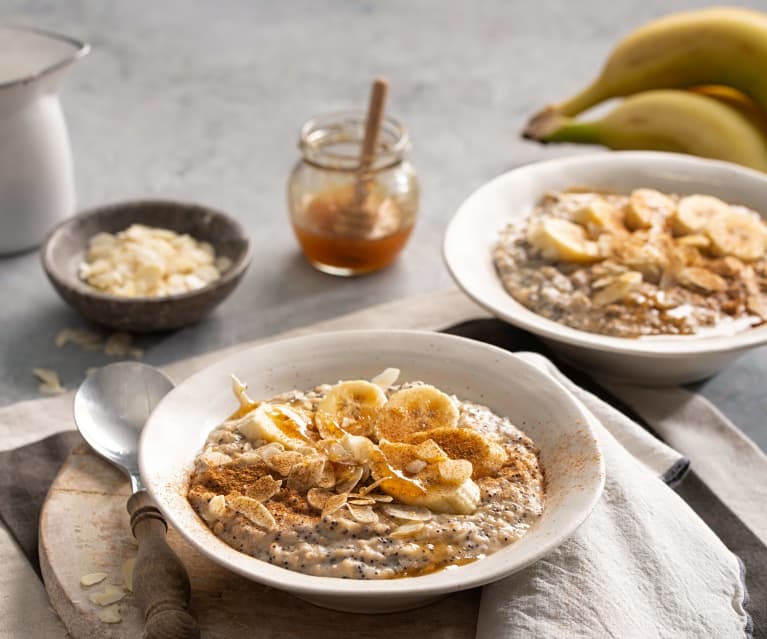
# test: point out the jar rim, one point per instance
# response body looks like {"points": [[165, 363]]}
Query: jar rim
{"points": [[319, 139]]}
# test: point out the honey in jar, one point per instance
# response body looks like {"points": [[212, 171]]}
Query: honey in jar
{"points": [[349, 223]]}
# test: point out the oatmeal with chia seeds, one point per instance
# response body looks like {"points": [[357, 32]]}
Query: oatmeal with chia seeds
{"points": [[367, 480], [638, 265]]}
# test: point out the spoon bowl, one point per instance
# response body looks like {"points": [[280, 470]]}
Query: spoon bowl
{"points": [[112, 406]]}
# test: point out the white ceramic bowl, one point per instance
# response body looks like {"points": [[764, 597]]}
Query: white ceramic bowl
{"points": [[509, 198], [570, 454]]}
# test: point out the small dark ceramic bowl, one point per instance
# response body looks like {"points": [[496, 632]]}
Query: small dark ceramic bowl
{"points": [[65, 247]]}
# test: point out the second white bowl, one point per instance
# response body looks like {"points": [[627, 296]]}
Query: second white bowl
{"points": [[509, 198]]}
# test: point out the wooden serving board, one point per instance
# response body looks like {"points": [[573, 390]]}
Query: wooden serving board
{"points": [[84, 529]]}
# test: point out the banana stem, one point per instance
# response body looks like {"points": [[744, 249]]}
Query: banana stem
{"points": [[590, 96], [550, 126]]}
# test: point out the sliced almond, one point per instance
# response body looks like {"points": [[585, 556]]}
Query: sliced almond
{"points": [[264, 488], [408, 513], [127, 573], [253, 510], [348, 478], [757, 305], [283, 462], [306, 474], [217, 507], [318, 498], [386, 378], [694, 277], [407, 530], [93, 578], [365, 501], [334, 503], [110, 614], [328, 477], [616, 290], [109, 595], [362, 514]]}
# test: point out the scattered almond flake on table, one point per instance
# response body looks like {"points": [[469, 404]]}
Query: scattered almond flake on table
{"points": [[90, 370], [120, 345], [93, 578], [127, 573], [110, 614], [109, 595], [82, 337], [51, 384]]}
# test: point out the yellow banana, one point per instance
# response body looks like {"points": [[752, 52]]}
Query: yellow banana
{"points": [[666, 120], [721, 45]]}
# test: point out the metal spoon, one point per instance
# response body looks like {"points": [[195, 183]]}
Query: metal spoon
{"points": [[111, 407]]}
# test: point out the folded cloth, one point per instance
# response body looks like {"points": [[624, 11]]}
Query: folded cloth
{"points": [[643, 565]]}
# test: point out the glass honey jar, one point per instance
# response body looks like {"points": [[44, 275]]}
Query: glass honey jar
{"points": [[350, 221]]}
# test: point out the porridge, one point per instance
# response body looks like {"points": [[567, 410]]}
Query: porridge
{"points": [[367, 480], [637, 265]]}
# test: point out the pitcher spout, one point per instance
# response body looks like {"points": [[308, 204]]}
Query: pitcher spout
{"points": [[35, 58]]}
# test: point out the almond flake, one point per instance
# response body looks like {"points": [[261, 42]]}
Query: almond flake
{"points": [[93, 578], [318, 498], [407, 530], [51, 384], [386, 378], [127, 573], [362, 502], [349, 478], [362, 514], [253, 510], [306, 474], [217, 506], [110, 614], [334, 503], [408, 513], [264, 488], [109, 595]]}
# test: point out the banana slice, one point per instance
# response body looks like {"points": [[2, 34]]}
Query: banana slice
{"points": [[598, 216], [560, 239], [695, 212], [695, 277], [277, 423], [486, 456], [441, 485], [415, 409], [647, 208], [618, 288], [352, 406], [737, 234]]}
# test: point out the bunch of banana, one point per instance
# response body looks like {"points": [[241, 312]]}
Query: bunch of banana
{"points": [[694, 82]]}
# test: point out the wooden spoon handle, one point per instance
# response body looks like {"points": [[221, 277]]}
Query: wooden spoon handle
{"points": [[160, 582]]}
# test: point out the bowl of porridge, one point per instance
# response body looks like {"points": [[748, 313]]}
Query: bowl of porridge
{"points": [[372, 471], [641, 267]]}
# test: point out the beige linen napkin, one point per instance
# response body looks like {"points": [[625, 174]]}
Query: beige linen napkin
{"points": [[642, 566]]}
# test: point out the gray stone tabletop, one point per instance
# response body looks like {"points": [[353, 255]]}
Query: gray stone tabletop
{"points": [[202, 101]]}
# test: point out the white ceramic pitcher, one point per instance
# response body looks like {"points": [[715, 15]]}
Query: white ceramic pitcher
{"points": [[36, 180]]}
